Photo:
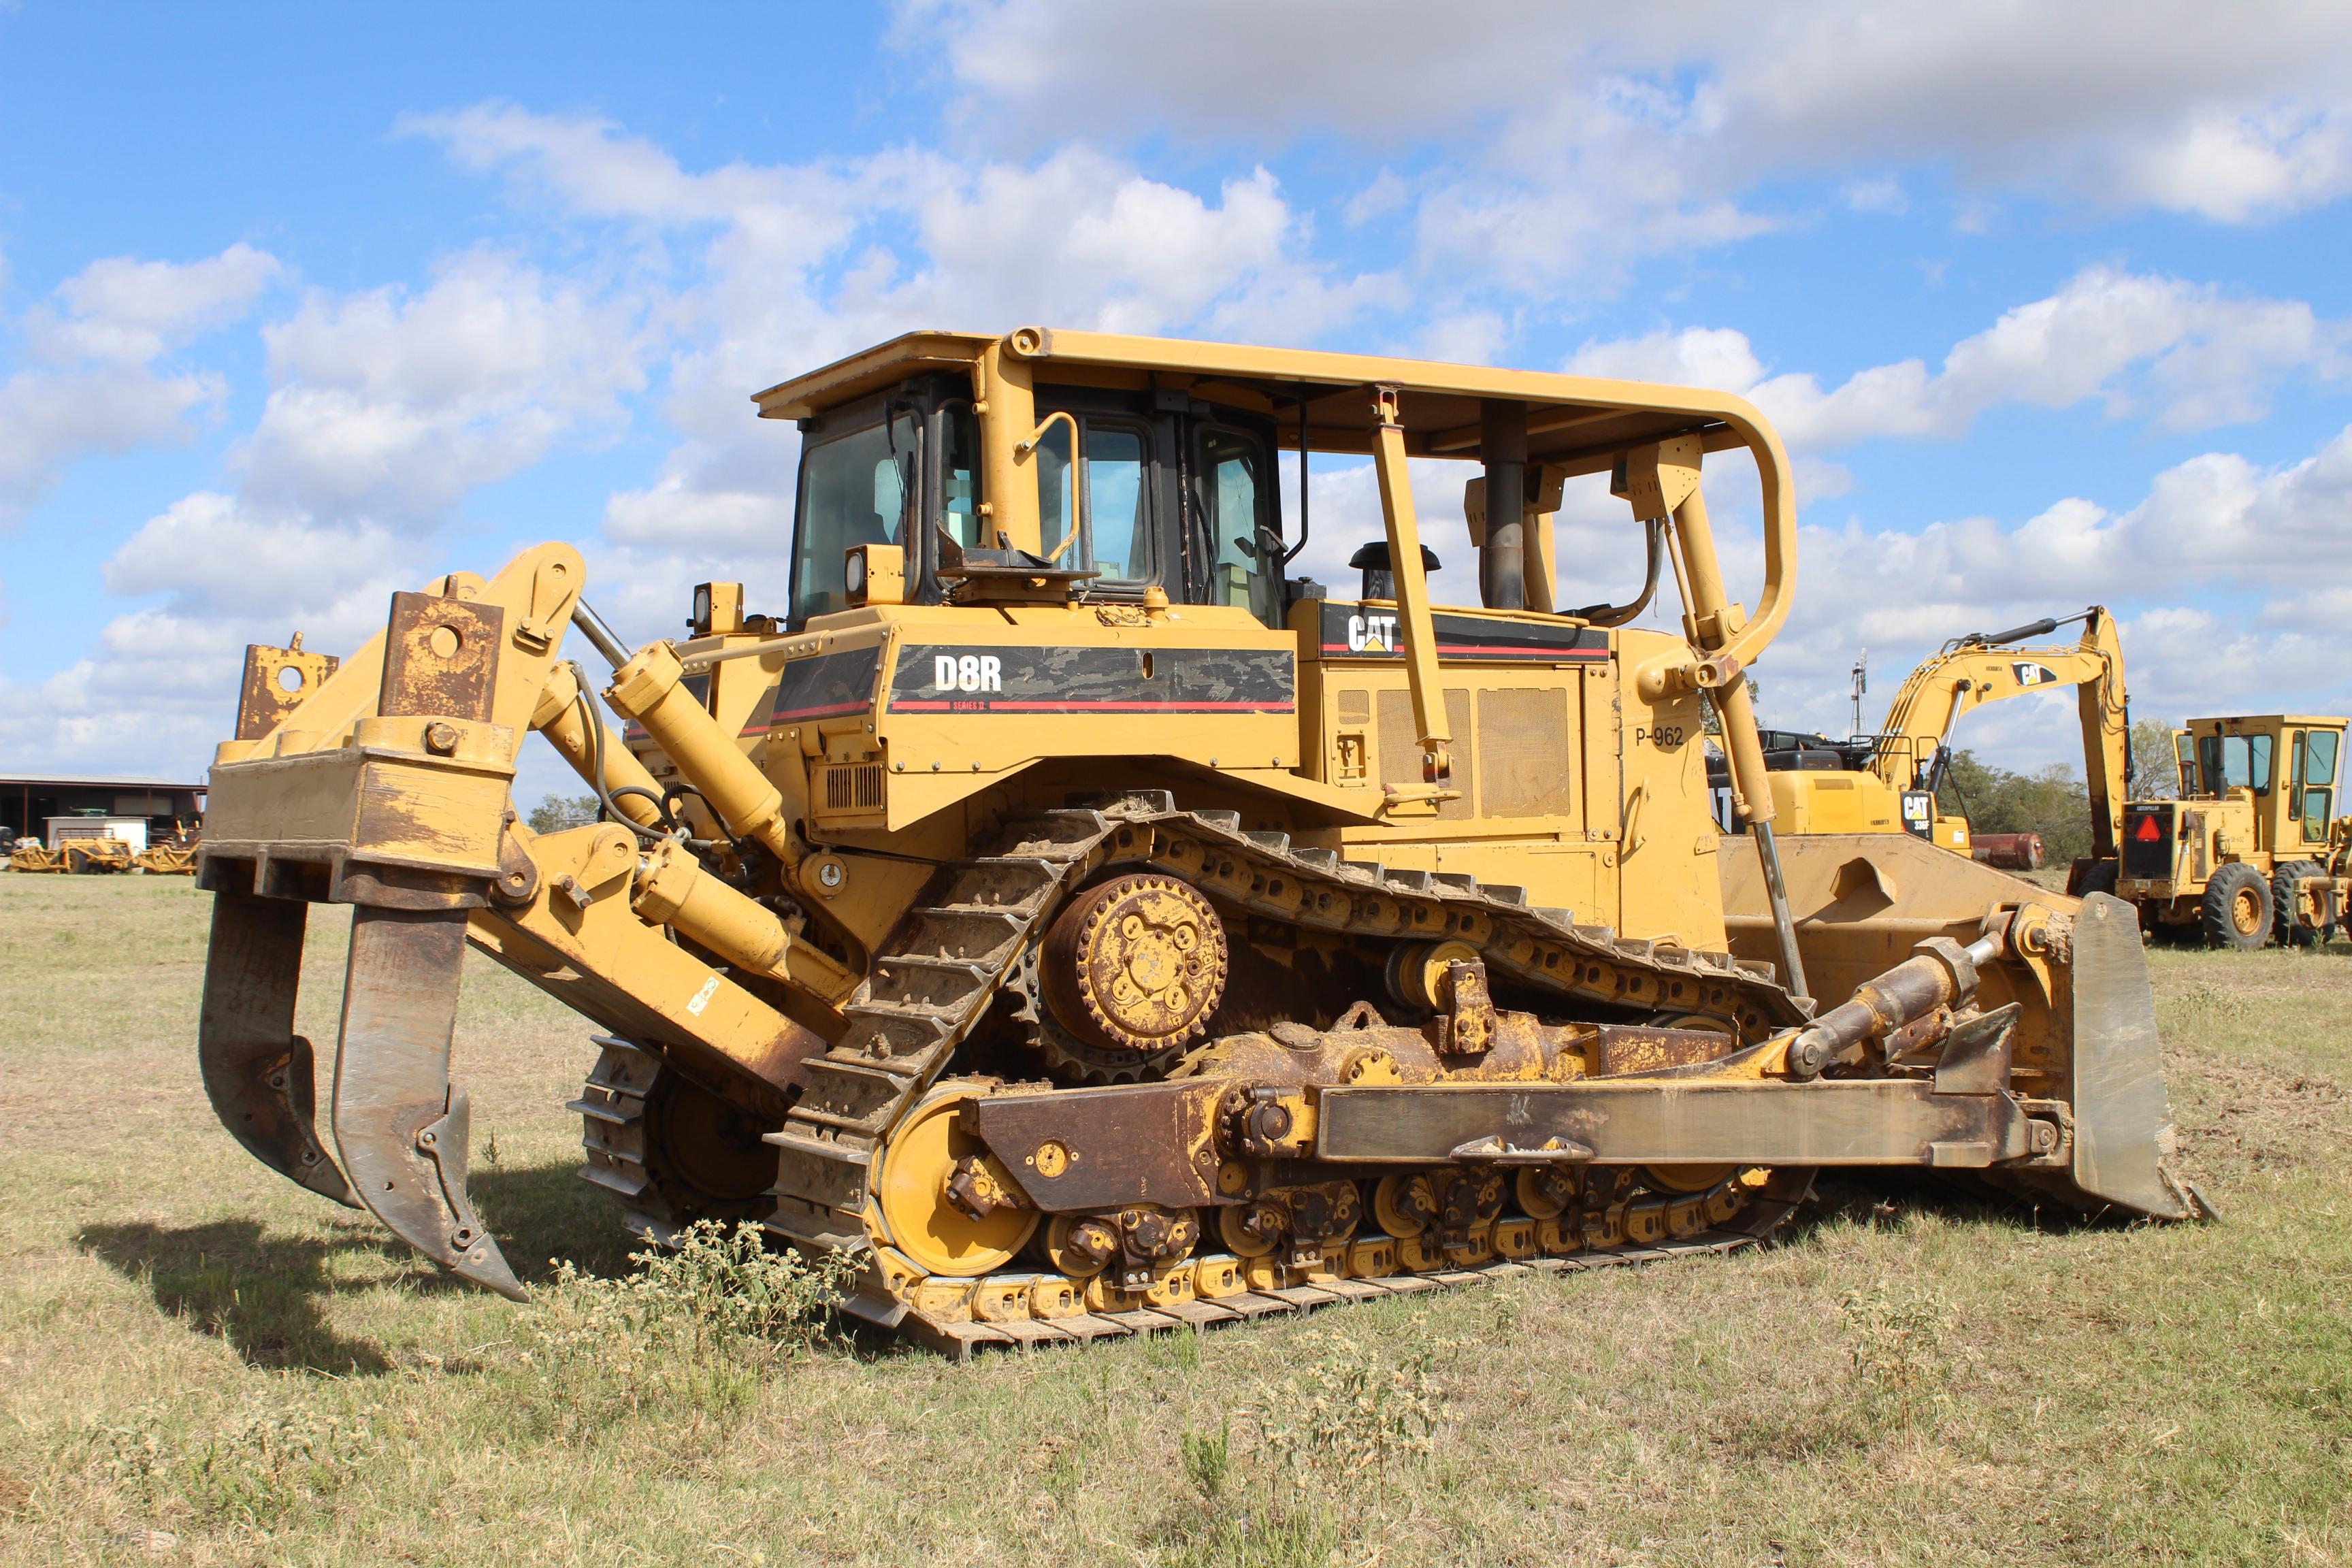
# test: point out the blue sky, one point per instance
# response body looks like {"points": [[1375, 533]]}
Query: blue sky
{"points": [[300, 305]]}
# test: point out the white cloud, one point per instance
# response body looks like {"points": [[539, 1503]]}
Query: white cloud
{"points": [[2225, 577], [393, 405], [158, 687], [1582, 139], [131, 311], [1883, 195], [2186, 356], [388, 408], [206, 551], [93, 383], [786, 267]]}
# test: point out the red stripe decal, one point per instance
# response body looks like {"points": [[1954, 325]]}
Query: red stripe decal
{"points": [[1462, 649], [998, 705]]}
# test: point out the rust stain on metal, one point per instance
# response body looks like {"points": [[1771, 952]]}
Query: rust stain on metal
{"points": [[1625, 1047], [269, 693], [440, 657], [1153, 1142]]}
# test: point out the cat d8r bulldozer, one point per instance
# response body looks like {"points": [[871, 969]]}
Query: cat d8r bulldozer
{"points": [[1086, 925]]}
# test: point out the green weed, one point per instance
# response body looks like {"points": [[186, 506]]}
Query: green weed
{"points": [[1209, 1460], [248, 1468], [1895, 1350], [1354, 1407]]}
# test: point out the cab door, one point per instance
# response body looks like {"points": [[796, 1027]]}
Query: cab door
{"points": [[2313, 801], [1234, 515]]}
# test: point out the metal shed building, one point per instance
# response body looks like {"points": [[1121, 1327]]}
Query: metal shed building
{"points": [[28, 800]]}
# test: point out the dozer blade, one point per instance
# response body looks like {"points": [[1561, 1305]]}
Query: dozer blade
{"points": [[402, 1130], [2122, 1119], [258, 1071]]}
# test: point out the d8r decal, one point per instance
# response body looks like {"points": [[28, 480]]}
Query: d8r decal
{"points": [[967, 672]]}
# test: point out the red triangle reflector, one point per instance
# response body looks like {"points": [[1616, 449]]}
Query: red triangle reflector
{"points": [[2148, 832]]}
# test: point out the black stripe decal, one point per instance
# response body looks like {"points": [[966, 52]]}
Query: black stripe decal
{"points": [[965, 678], [1377, 631]]}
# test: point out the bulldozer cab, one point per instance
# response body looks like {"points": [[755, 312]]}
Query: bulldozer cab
{"points": [[1137, 494]]}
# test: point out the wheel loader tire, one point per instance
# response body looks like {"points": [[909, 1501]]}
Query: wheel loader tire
{"points": [[2237, 912], [2286, 926], [2089, 876]]}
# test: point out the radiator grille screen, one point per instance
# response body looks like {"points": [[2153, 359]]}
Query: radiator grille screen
{"points": [[1399, 745], [1523, 753]]}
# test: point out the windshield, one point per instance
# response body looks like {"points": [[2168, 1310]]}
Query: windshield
{"points": [[2235, 761], [855, 489]]}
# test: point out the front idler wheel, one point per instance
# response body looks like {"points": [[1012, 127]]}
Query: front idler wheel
{"points": [[934, 1176]]}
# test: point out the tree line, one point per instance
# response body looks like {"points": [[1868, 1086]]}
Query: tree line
{"points": [[2052, 801]]}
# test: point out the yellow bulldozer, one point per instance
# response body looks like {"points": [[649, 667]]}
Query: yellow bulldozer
{"points": [[2252, 852], [1891, 782], [1086, 926]]}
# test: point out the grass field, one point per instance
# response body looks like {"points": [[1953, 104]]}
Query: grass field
{"points": [[199, 1362]]}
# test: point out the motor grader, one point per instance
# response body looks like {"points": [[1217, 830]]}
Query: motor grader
{"points": [[2252, 852], [1087, 925]]}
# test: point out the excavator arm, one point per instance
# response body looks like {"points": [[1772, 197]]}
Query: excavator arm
{"points": [[1970, 671]]}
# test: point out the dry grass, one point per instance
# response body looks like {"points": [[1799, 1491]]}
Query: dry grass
{"points": [[190, 1346]]}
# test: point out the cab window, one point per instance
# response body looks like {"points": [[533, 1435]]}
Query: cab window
{"points": [[2184, 756], [1111, 493], [857, 487], [959, 442], [1237, 505], [2235, 761]]}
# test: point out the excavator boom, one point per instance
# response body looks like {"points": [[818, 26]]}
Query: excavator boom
{"points": [[1982, 668]]}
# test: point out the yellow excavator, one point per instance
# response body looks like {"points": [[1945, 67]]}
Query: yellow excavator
{"points": [[1888, 782]]}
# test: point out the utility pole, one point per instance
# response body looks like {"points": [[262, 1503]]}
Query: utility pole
{"points": [[1861, 685]]}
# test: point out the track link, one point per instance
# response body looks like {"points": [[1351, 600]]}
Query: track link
{"points": [[978, 918], [949, 1328], [631, 1156], [611, 1110]]}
